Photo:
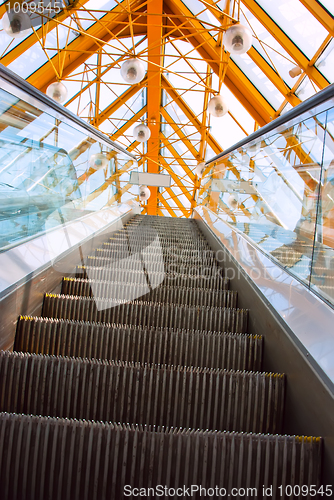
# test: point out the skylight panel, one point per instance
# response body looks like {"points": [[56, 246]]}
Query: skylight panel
{"points": [[28, 62], [259, 79], [325, 62], [297, 22], [268, 46], [328, 4]]}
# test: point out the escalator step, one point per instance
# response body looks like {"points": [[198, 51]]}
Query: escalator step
{"points": [[195, 280], [145, 314], [161, 346], [119, 391], [136, 262], [195, 256], [102, 458], [162, 294]]}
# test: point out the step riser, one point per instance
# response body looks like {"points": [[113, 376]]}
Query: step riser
{"points": [[146, 314], [194, 258], [34, 465], [137, 264], [86, 340], [134, 265], [120, 392], [164, 295], [176, 280]]}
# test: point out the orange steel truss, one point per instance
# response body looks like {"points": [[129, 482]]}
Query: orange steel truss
{"points": [[164, 34]]}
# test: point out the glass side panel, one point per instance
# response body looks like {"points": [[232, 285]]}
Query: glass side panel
{"points": [[279, 191], [50, 172]]}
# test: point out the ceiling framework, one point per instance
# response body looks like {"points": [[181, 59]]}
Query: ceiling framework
{"points": [[187, 64]]}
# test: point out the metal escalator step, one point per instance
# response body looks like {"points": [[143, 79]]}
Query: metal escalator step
{"points": [[145, 314], [161, 294], [119, 391], [137, 262], [82, 460], [177, 250], [118, 342], [157, 255], [121, 274]]}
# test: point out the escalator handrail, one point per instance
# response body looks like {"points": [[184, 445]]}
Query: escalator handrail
{"points": [[22, 84], [309, 104]]}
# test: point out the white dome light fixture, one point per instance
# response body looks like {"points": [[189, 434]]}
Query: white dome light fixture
{"points": [[16, 25], [237, 39], [217, 106], [98, 161], [141, 133], [233, 201], [144, 193], [57, 91], [200, 169], [132, 71]]}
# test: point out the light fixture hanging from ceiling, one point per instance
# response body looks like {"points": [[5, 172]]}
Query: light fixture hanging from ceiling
{"points": [[57, 91], [233, 201], [295, 71], [16, 25], [200, 169], [98, 161], [144, 193], [132, 71], [141, 133], [217, 106], [238, 39]]}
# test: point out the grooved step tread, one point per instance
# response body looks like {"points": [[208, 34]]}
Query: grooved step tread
{"points": [[154, 345], [118, 391], [104, 457]]}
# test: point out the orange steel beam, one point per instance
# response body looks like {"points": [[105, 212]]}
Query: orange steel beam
{"points": [[128, 124], [178, 158], [321, 14], [205, 44], [180, 102], [165, 204], [265, 67], [114, 106], [185, 211], [80, 49], [154, 59], [28, 42], [175, 178], [178, 131], [289, 46]]}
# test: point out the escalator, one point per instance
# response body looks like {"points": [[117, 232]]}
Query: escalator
{"points": [[140, 378]]}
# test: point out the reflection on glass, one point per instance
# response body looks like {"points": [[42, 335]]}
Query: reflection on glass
{"points": [[284, 187], [45, 175]]}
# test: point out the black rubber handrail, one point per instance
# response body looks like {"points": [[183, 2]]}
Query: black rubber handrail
{"points": [[307, 105], [22, 84]]}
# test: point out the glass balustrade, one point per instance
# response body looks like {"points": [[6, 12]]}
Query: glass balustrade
{"points": [[51, 170], [278, 189]]}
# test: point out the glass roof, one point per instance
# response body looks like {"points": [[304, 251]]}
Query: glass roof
{"points": [[101, 34]]}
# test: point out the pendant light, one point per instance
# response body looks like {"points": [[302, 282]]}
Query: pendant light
{"points": [[16, 25], [57, 91], [141, 133], [144, 193], [132, 71], [98, 161], [237, 39], [217, 106]]}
